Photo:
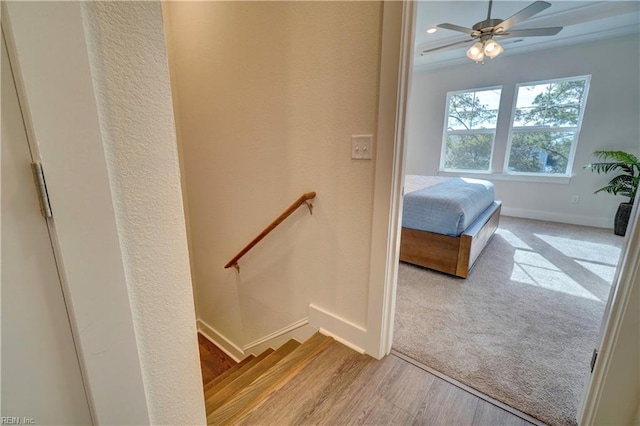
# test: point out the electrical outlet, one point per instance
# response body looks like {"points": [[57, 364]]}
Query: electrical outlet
{"points": [[575, 199], [362, 147]]}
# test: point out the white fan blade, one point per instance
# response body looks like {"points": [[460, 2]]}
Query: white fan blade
{"points": [[454, 27], [587, 13], [534, 32], [446, 46], [526, 13]]}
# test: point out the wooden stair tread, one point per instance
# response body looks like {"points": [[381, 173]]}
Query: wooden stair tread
{"points": [[317, 391], [231, 377], [272, 380], [213, 360], [228, 372], [249, 376]]}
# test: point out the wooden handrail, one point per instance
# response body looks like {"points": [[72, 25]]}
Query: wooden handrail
{"points": [[304, 199]]}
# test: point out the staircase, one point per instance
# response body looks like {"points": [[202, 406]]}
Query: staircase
{"points": [[239, 390]]}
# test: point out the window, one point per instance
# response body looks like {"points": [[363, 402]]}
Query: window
{"points": [[546, 121], [470, 129]]}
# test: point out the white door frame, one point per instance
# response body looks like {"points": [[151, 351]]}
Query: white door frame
{"points": [[627, 275], [395, 80], [382, 303]]}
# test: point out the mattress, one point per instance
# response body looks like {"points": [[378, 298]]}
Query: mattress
{"points": [[444, 205]]}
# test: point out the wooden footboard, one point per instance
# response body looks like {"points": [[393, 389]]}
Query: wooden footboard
{"points": [[451, 255]]}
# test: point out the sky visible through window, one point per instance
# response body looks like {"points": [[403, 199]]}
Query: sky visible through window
{"points": [[545, 122], [527, 94], [471, 121], [490, 98], [474, 110]]}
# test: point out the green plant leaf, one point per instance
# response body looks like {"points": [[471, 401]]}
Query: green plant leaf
{"points": [[618, 156], [607, 167], [625, 184]]}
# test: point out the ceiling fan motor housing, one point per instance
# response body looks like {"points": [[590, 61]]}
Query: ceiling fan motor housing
{"points": [[488, 25]]}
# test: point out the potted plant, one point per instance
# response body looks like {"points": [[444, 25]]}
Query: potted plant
{"points": [[626, 183]]}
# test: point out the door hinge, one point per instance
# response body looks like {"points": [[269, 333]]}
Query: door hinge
{"points": [[593, 359], [41, 188]]}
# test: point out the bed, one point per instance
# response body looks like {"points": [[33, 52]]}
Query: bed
{"points": [[447, 222]]}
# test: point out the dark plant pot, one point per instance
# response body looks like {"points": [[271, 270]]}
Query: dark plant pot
{"points": [[622, 218]]}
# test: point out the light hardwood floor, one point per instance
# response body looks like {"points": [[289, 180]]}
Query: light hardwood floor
{"points": [[342, 387], [213, 361]]}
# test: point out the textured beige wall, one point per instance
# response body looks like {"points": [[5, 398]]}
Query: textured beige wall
{"points": [[126, 45], [268, 95]]}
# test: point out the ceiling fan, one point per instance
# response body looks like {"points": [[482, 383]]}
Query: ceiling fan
{"points": [[483, 32]]}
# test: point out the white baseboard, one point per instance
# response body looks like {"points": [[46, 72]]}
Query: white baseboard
{"points": [[342, 330], [282, 331], [227, 346], [345, 332], [300, 333], [300, 330], [598, 222]]}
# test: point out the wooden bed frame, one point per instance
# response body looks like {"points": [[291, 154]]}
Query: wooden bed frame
{"points": [[451, 255]]}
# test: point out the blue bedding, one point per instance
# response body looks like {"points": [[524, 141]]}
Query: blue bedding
{"points": [[448, 207]]}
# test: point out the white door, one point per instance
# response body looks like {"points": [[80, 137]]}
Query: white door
{"points": [[41, 377]]}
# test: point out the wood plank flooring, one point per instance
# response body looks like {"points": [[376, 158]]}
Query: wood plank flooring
{"points": [[270, 382], [213, 361], [343, 387]]}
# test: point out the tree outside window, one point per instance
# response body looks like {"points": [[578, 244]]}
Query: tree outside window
{"points": [[546, 122], [470, 129]]}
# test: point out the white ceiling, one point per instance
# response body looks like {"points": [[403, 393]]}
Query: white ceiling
{"points": [[582, 21]]}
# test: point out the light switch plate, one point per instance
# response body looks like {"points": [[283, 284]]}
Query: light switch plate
{"points": [[362, 147]]}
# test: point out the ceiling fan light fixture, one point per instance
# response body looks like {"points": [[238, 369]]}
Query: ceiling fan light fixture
{"points": [[476, 52], [492, 48], [482, 32]]}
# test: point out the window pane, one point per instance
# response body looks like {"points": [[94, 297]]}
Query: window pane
{"points": [[460, 111], [567, 92], [528, 117], [562, 116], [469, 152], [473, 110], [489, 98], [551, 104], [458, 121], [471, 122], [532, 95], [485, 119], [540, 152], [462, 101]]}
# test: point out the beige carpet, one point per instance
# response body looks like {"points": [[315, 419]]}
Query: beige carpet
{"points": [[522, 327]]}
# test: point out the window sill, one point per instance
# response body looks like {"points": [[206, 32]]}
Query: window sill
{"points": [[508, 177]]}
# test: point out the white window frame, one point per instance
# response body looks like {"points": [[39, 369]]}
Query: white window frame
{"points": [[531, 129], [445, 132]]}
